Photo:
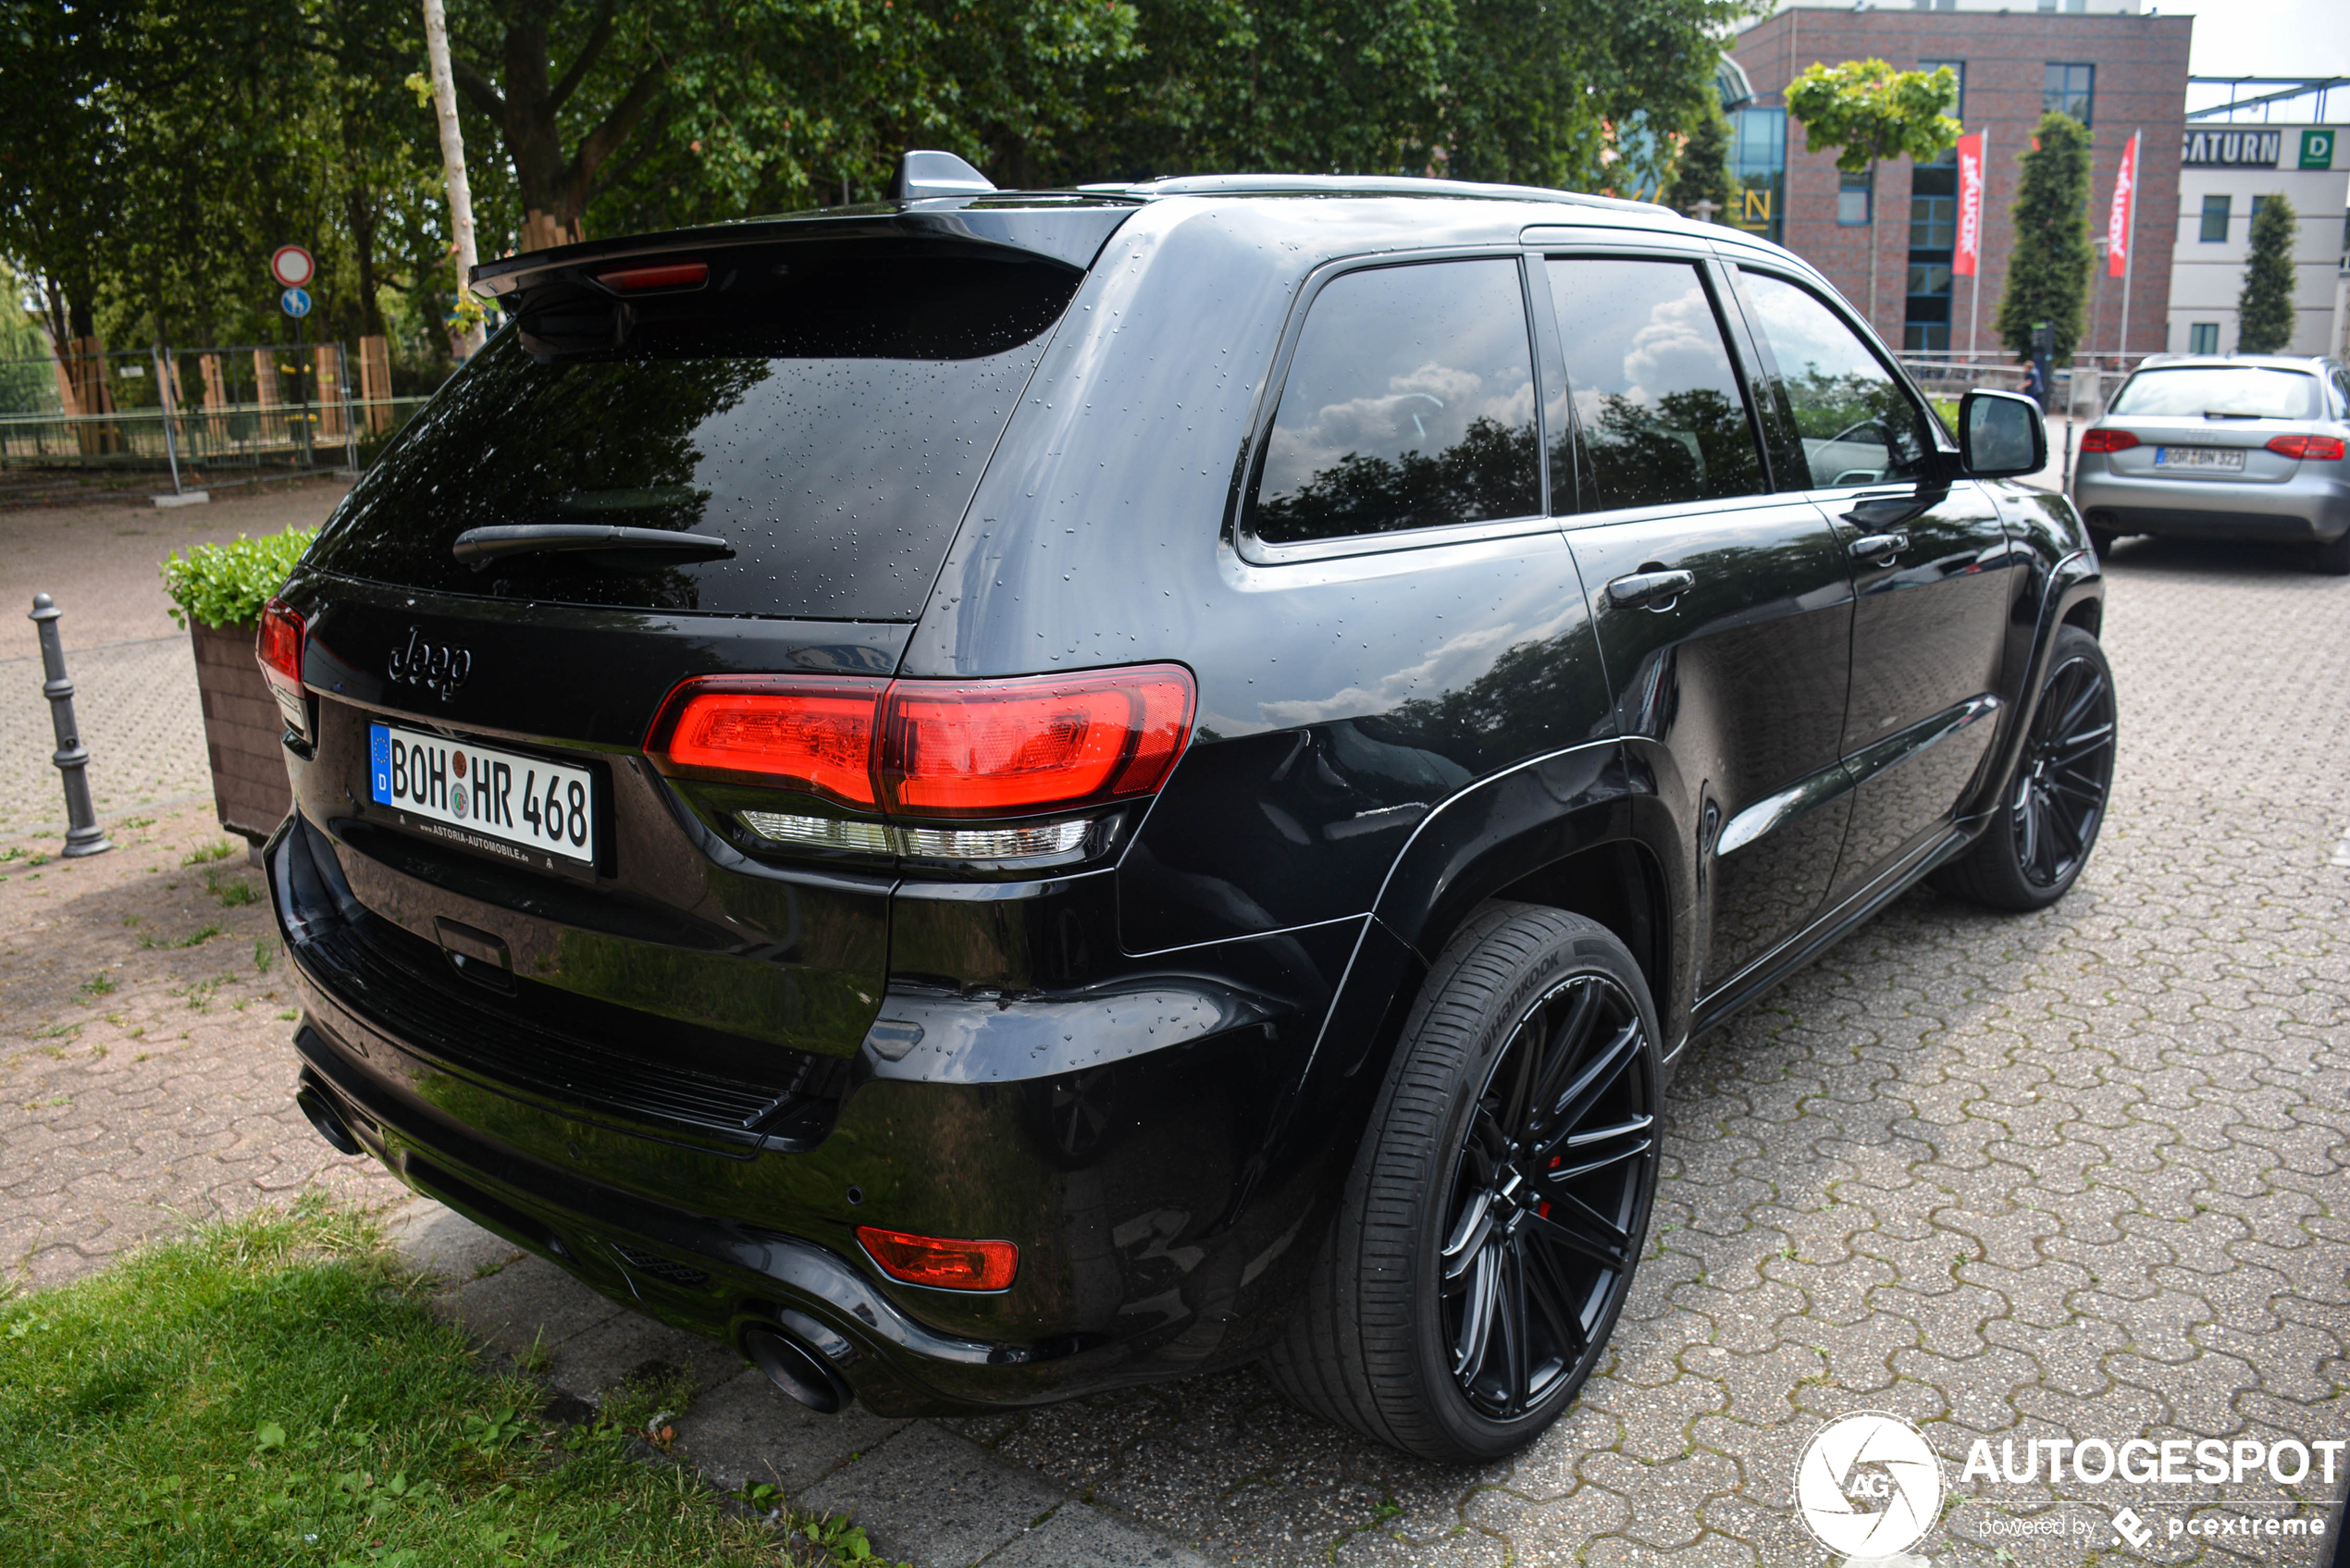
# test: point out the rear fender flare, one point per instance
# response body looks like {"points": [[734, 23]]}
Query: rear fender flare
{"points": [[1474, 845]]}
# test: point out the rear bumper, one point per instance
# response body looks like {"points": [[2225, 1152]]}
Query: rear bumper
{"points": [[1152, 1196], [2313, 507]]}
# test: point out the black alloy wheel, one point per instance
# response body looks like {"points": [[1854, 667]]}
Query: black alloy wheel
{"points": [[1488, 1238], [2054, 802], [1547, 1193], [2059, 794]]}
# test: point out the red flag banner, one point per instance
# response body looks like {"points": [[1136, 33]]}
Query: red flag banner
{"points": [[1968, 251], [2117, 223]]}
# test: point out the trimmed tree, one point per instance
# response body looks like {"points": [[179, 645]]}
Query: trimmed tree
{"points": [[2048, 269], [2264, 311], [1703, 172], [1869, 111]]}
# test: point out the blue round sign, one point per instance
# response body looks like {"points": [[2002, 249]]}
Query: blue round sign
{"points": [[296, 301]]}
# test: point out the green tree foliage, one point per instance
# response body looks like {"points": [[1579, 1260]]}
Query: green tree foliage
{"points": [[2264, 311], [1869, 111], [158, 150], [1703, 174], [2048, 270]]}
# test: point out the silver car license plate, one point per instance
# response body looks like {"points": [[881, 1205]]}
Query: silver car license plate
{"points": [[523, 808], [2226, 459]]}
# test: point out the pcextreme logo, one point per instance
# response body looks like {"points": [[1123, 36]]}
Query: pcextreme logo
{"points": [[1868, 1486]]}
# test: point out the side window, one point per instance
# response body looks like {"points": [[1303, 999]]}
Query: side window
{"points": [[1409, 404], [1855, 424], [1657, 405]]}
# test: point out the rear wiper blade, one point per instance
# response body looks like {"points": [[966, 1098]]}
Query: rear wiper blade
{"points": [[478, 547], [2235, 414]]}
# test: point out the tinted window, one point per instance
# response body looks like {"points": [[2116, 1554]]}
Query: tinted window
{"points": [[1657, 407], [2244, 390], [1409, 404], [826, 414], [1853, 424]]}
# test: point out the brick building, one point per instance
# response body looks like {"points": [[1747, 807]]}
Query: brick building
{"points": [[2121, 70]]}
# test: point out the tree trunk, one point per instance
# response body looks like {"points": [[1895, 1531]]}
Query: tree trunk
{"points": [[452, 158], [554, 189], [360, 214], [1872, 250]]}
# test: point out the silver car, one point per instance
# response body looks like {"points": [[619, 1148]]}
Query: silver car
{"points": [[2246, 446]]}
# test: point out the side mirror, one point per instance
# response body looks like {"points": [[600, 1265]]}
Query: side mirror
{"points": [[2001, 435]]}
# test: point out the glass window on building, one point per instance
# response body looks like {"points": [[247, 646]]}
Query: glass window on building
{"points": [[1958, 69], [2070, 89], [2215, 220], [1758, 170], [1852, 198], [1934, 233], [2202, 337]]}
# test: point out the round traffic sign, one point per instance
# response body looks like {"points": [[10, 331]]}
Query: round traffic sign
{"points": [[296, 302], [292, 265]]}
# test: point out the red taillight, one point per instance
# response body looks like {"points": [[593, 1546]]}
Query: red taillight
{"points": [[1006, 749], [278, 647], [667, 275], [936, 748], [931, 1260], [2308, 448], [2108, 440], [813, 735]]}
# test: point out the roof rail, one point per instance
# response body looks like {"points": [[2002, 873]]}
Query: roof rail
{"points": [[1366, 185]]}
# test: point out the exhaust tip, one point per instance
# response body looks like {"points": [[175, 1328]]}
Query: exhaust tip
{"points": [[793, 1367], [324, 1117]]}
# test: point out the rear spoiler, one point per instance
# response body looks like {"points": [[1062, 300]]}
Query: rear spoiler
{"points": [[1065, 227]]}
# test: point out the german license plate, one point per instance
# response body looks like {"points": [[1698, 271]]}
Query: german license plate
{"points": [[523, 807], [2228, 460]]}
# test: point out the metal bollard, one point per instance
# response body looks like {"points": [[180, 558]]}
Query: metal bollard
{"points": [[83, 836]]}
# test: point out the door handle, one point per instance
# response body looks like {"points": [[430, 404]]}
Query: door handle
{"points": [[1652, 588], [1879, 548]]}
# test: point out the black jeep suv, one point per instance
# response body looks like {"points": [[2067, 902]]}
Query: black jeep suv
{"points": [[996, 795]]}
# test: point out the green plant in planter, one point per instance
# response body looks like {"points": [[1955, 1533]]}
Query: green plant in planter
{"points": [[227, 585]]}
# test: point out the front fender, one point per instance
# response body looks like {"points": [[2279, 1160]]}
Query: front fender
{"points": [[2073, 581]]}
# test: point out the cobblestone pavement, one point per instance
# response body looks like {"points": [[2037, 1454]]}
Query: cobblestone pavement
{"points": [[134, 676], [2074, 1175], [144, 1075]]}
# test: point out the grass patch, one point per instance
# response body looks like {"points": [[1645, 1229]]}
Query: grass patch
{"points": [[274, 1390], [230, 894], [220, 851]]}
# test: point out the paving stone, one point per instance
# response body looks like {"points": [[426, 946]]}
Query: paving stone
{"points": [[1078, 1535], [747, 1430], [526, 1303], [935, 1498], [592, 1362]]}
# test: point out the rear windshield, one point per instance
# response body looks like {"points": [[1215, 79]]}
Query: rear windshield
{"points": [[2244, 391], [826, 412]]}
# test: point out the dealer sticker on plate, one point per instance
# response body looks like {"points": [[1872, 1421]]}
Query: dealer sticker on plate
{"points": [[497, 801]]}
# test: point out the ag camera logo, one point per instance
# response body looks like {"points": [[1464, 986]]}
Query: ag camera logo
{"points": [[1868, 1486]]}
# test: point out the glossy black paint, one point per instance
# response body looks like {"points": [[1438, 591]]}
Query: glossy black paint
{"points": [[1152, 1069]]}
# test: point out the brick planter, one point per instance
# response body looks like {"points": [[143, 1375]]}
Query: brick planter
{"points": [[240, 729]]}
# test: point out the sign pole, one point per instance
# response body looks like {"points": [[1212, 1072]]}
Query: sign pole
{"points": [[2130, 257]]}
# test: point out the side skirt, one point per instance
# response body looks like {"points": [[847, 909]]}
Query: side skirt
{"points": [[1827, 930]]}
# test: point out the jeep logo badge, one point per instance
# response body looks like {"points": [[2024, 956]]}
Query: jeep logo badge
{"points": [[437, 668]]}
